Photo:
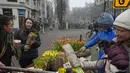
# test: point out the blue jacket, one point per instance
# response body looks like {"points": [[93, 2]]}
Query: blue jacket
{"points": [[106, 36], [100, 54]]}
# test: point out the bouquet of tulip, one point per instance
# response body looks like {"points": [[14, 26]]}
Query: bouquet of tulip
{"points": [[41, 62], [76, 44], [48, 56], [31, 36]]}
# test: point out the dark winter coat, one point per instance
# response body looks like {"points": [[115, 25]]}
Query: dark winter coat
{"points": [[6, 57], [118, 56], [33, 51]]}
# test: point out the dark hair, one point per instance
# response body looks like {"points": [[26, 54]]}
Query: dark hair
{"points": [[23, 27], [4, 20], [28, 19]]}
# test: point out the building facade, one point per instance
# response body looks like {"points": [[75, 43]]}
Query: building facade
{"points": [[106, 6], [18, 10]]}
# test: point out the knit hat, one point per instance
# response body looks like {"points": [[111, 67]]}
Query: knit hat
{"points": [[123, 20]]}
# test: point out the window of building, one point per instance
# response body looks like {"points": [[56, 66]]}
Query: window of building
{"points": [[12, 0], [34, 2], [21, 12], [7, 12], [38, 3], [27, 1]]}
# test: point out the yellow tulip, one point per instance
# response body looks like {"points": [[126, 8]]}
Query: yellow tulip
{"points": [[62, 70]]}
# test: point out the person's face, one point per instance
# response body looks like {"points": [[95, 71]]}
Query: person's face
{"points": [[104, 27], [8, 27], [122, 34], [28, 24]]}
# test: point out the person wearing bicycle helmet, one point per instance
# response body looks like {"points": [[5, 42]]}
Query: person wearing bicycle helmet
{"points": [[106, 33]]}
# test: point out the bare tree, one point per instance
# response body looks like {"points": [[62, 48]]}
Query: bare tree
{"points": [[61, 9], [49, 12]]}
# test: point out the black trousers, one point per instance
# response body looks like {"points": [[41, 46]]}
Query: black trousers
{"points": [[24, 62]]}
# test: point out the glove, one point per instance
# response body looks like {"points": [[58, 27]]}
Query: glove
{"points": [[83, 52], [82, 49]]}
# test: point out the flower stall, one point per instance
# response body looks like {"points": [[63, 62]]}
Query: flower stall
{"points": [[55, 58]]}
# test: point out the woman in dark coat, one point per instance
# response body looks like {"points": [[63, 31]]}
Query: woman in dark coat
{"points": [[28, 55], [6, 40]]}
